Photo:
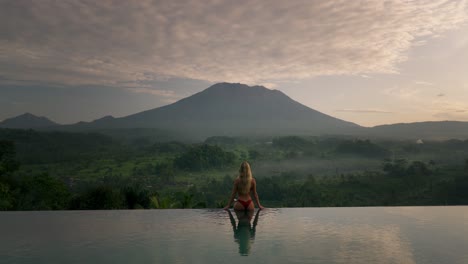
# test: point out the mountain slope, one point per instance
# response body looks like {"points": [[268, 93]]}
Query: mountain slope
{"points": [[435, 130], [232, 109], [26, 121]]}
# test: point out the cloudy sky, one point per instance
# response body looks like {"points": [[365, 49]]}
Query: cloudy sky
{"points": [[370, 61]]}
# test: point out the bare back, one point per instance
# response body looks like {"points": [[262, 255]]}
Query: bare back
{"points": [[245, 196]]}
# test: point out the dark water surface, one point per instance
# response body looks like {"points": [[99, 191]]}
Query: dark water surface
{"points": [[293, 235]]}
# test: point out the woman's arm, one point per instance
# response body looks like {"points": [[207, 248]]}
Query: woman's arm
{"points": [[254, 189], [233, 194]]}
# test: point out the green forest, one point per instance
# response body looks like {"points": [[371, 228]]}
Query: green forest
{"points": [[81, 171]]}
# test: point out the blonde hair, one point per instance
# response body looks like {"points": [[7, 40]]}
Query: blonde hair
{"points": [[245, 177]]}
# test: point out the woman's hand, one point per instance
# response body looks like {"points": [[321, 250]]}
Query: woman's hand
{"points": [[226, 207], [261, 207]]}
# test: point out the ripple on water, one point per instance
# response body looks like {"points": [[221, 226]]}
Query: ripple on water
{"points": [[292, 235]]}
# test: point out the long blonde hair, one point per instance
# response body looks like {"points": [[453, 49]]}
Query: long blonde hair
{"points": [[245, 177]]}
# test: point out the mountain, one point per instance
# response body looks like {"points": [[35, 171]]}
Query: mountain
{"points": [[231, 109], [26, 121]]}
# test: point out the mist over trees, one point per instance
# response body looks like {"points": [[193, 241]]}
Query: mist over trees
{"points": [[61, 170]]}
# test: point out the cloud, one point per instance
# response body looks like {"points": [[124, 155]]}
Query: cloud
{"points": [[403, 92], [449, 109], [460, 116], [424, 83], [364, 111], [166, 96], [269, 85], [124, 43], [163, 93]]}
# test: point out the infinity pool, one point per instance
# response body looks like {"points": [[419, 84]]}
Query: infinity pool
{"points": [[293, 235]]}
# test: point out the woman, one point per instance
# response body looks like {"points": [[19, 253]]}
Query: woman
{"points": [[243, 185]]}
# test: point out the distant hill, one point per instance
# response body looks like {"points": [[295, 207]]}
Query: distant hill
{"points": [[435, 130], [100, 122], [229, 109], [26, 121]]}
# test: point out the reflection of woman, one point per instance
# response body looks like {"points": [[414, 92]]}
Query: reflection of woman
{"points": [[244, 232], [244, 184]]}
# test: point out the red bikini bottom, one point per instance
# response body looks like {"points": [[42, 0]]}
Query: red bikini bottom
{"points": [[245, 203]]}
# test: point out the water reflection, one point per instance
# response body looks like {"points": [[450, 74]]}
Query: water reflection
{"points": [[406, 235], [244, 230]]}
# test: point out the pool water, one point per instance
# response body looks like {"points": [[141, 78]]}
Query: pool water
{"points": [[289, 235]]}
